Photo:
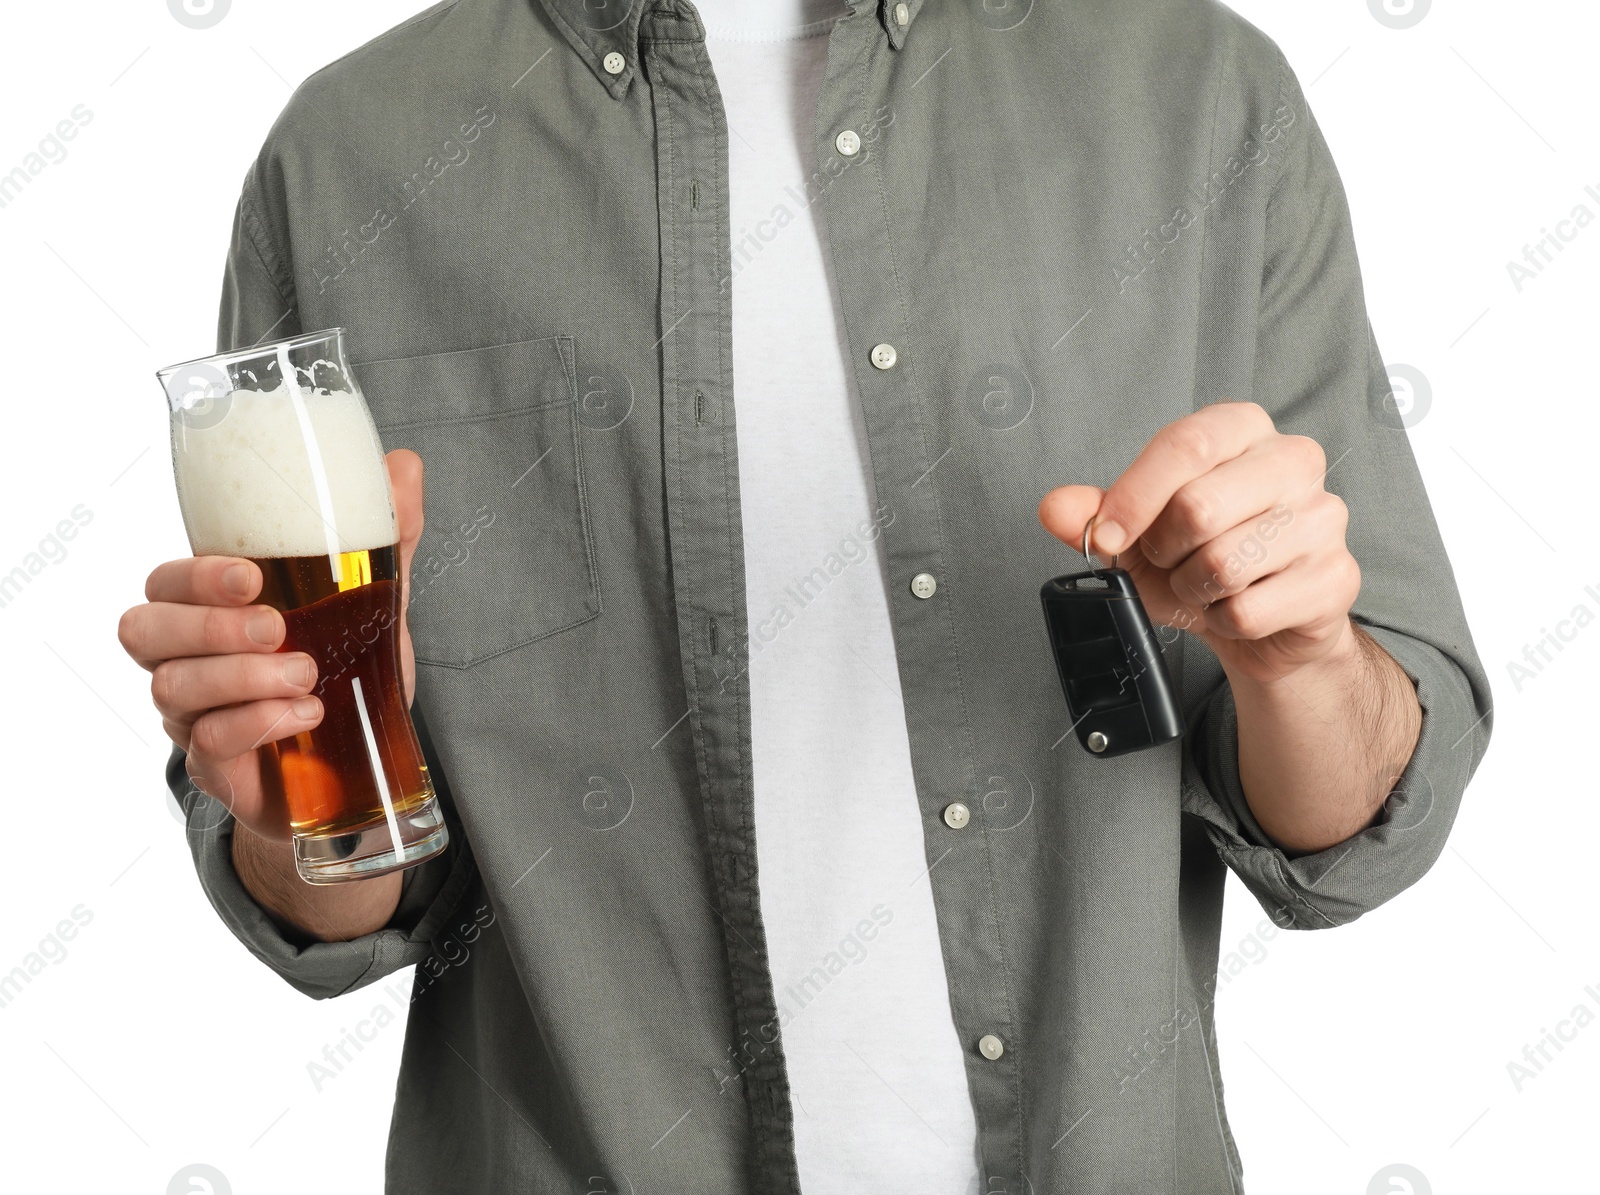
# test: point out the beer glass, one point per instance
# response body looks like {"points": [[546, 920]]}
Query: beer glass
{"points": [[277, 460]]}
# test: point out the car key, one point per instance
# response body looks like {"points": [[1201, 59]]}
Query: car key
{"points": [[1119, 693]]}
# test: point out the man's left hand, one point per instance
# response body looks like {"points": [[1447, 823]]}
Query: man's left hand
{"points": [[1227, 530]]}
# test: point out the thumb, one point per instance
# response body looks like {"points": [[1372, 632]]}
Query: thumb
{"points": [[405, 479], [1066, 511]]}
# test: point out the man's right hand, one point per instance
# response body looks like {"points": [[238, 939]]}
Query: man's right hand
{"points": [[224, 690], [222, 687]]}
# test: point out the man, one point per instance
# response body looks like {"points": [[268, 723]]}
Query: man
{"points": [[774, 865]]}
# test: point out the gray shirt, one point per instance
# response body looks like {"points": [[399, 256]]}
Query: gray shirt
{"points": [[1074, 225]]}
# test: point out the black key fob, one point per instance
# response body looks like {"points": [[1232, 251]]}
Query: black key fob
{"points": [[1118, 690]]}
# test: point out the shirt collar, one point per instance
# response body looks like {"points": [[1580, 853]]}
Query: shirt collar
{"points": [[596, 28]]}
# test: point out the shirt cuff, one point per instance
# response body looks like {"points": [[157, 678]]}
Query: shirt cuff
{"points": [[430, 892], [1337, 885]]}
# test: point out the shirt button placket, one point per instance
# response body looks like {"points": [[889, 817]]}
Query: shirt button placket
{"points": [[861, 232]]}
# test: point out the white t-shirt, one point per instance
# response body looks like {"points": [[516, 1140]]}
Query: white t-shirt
{"points": [[877, 1072]]}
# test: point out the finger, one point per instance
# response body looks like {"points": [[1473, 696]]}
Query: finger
{"points": [[1309, 601], [160, 631], [236, 784], [1233, 561], [1178, 453], [1269, 543], [176, 731], [204, 581], [222, 734], [186, 688], [232, 782], [1265, 479], [1065, 512]]}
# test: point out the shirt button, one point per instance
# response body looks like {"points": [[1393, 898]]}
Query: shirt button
{"points": [[884, 356], [957, 815], [902, 14], [848, 143], [991, 1047], [923, 585], [614, 62]]}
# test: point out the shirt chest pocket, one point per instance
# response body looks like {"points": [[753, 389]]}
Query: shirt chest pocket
{"points": [[506, 556]]}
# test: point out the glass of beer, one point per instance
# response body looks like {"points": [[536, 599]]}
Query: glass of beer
{"points": [[277, 460]]}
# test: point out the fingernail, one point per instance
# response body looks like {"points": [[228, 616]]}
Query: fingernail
{"points": [[306, 708], [298, 671], [1110, 536], [262, 627], [236, 579]]}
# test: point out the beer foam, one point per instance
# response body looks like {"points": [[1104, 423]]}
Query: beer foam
{"points": [[248, 484]]}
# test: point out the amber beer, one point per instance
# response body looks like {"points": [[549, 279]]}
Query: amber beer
{"points": [[350, 628], [277, 460]]}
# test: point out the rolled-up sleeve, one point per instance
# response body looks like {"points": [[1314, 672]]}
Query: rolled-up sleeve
{"points": [[430, 893], [1319, 373]]}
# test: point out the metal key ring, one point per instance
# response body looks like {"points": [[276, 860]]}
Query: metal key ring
{"points": [[1087, 527]]}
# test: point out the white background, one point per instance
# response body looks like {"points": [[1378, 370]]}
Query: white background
{"points": [[157, 1042]]}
